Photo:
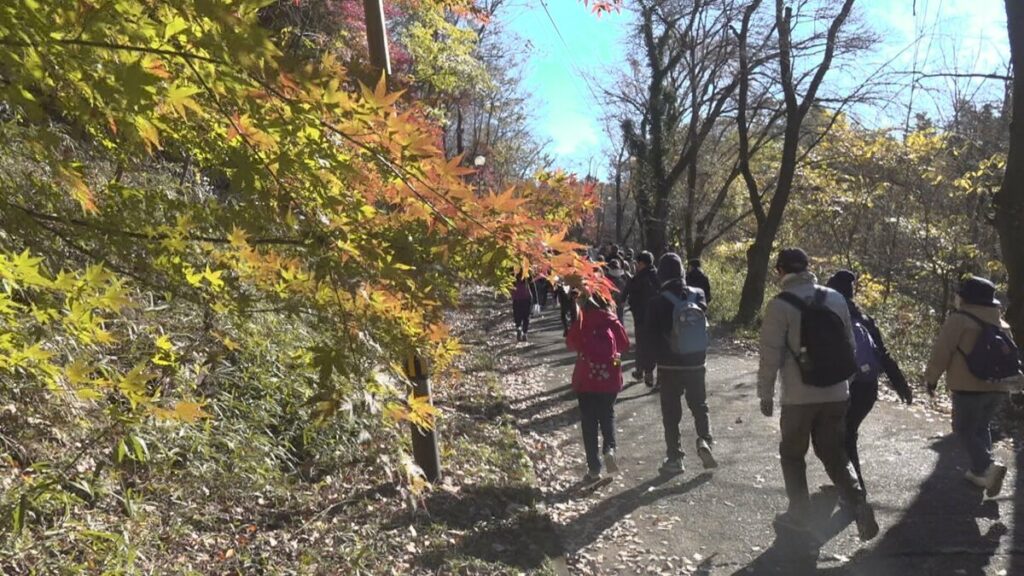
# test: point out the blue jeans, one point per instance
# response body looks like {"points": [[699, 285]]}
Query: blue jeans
{"points": [[972, 415], [597, 412]]}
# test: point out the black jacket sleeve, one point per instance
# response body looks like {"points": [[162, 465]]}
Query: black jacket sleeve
{"points": [[897, 380]]}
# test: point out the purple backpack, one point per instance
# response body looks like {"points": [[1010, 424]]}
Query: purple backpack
{"points": [[868, 364], [995, 355]]}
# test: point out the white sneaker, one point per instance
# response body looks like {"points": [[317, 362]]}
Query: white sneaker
{"points": [[994, 477], [609, 462]]}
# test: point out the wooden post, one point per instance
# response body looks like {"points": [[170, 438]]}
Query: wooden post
{"points": [[424, 442], [377, 36]]}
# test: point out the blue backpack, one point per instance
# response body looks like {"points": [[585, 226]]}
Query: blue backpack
{"points": [[869, 366], [689, 325], [995, 356]]}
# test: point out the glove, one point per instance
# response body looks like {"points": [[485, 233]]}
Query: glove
{"points": [[767, 406]]}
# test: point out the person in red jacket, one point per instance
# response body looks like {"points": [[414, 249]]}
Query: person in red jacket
{"points": [[599, 339]]}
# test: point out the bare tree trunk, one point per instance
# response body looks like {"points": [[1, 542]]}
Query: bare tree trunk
{"points": [[768, 222], [1009, 201]]}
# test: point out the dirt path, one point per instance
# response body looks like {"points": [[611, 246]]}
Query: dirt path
{"points": [[721, 522]]}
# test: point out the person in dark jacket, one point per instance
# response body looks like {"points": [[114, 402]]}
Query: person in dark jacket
{"points": [[639, 291], [524, 296], [864, 388], [678, 375], [695, 277]]}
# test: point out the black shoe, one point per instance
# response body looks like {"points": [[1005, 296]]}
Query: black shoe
{"points": [[637, 375], [649, 379], [867, 526]]}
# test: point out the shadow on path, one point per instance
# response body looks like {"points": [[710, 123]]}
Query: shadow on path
{"points": [[585, 528], [938, 534]]}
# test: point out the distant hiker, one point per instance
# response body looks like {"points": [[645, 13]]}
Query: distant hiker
{"points": [[807, 335], [873, 359], [695, 277], [620, 278], [524, 296], [566, 296], [599, 340], [639, 291], [976, 352], [629, 262], [676, 328], [544, 286]]}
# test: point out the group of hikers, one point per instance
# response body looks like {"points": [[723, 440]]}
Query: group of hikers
{"points": [[826, 353]]}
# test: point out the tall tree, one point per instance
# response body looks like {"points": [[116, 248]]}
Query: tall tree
{"points": [[791, 79], [1009, 201]]}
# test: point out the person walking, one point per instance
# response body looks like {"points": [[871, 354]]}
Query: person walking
{"points": [[524, 296], [620, 278], [873, 359], [695, 277], [807, 336], [599, 340], [980, 360], [676, 327], [639, 291]]}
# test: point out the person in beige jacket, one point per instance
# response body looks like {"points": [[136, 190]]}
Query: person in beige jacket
{"points": [[975, 401], [809, 413]]}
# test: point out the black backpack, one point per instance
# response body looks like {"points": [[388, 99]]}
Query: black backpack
{"points": [[995, 355], [826, 355]]}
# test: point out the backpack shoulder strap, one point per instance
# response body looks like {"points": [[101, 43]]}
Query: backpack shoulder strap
{"points": [[676, 300], [977, 320], [793, 300]]}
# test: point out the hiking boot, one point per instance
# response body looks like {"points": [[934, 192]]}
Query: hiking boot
{"points": [[637, 375], [705, 455], [524, 337], [994, 477], [975, 479], [672, 466], [609, 462], [591, 476], [519, 335], [867, 527], [649, 379]]}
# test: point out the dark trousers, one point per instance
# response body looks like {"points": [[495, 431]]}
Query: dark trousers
{"points": [[824, 426], [863, 396], [674, 385], [644, 353], [972, 416], [521, 314], [597, 412]]}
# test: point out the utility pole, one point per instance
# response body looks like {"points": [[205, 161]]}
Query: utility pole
{"points": [[424, 442]]}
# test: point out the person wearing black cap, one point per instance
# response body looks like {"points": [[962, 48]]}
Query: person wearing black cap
{"points": [[697, 278], [679, 374], [975, 400], [639, 291], [811, 411], [873, 358]]}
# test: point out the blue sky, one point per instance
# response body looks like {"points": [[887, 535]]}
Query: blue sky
{"points": [[969, 36]]}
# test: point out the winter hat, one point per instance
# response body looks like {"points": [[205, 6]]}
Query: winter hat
{"points": [[695, 262], [792, 260], [670, 268], [645, 257], [978, 291], [843, 282]]}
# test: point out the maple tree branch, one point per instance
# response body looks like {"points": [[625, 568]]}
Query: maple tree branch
{"points": [[44, 217], [112, 46]]}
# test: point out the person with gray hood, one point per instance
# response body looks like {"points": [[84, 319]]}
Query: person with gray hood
{"points": [[811, 411], [679, 374]]}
